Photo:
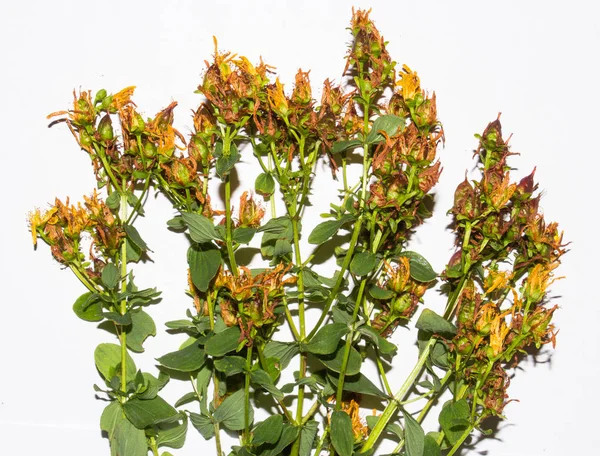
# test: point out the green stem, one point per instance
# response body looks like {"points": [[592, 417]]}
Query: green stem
{"points": [[347, 347], [108, 169], [349, 254], [247, 396], [398, 398], [412, 377], [123, 308], [228, 227], [321, 441], [263, 364], [462, 439], [83, 279], [153, 446], [139, 203], [388, 389]]}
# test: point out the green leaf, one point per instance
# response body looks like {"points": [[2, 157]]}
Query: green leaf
{"points": [[224, 342], [278, 225], [385, 346], [284, 352], [153, 386], [110, 417], [282, 247], [243, 235], [431, 322], [186, 399], [123, 320], [264, 184], [231, 411], [288, 435], [225, 163], [307, 437], [113, 201], [363, 263], [342, 437], [108, 359], [268, 431], [204, 261], [134, 236], [357, 384], [380, 293], [177, 223], [88, 307], [415, 436], [342, 146], [420, 269], [147, 413], [110, 276], [126, 439], [325, 230], [326, 340], [142, 326], [390, 124], [334, 361], [439, 355], [201, 228], [230, 365], [431, 448], [203, 424], [392, 428], [172, 435], [454, 419], [188, 359], [263, 379], [133, 253]]}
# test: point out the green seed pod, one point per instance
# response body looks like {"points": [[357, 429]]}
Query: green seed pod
{"points": [[105, 128], [401, 304], [84, 138], [463, 345], [137, 124], [100, 96], [149, 149]]}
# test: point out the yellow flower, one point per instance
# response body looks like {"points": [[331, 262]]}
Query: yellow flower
{"points": [[410, 83], [498, 333], [37, 220], [277, 98], [496, 280], [122, 98], [359, 429], [538, 281]]}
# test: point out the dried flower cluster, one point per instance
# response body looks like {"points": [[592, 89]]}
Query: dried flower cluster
{"points": [[378, 119]]}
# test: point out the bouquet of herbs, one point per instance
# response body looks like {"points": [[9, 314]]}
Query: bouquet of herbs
{"points": [[248, 326]]}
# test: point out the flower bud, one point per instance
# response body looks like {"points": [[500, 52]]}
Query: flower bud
{"points": [[181, 173], [149, 149], [100, 95], [137, 124], [401, 304], [84, 138], [105, 129]]}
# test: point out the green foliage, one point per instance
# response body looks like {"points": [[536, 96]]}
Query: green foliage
{"points": [[341, 433], [268, 431], [204, 261], [324, 231], [224, 342], [188, 359], [454, 419], [251, 315], [231, 411], [414, 435], [326, 340]]}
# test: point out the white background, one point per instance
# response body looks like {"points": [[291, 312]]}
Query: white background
{"points": [[536, 62]]}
